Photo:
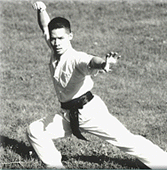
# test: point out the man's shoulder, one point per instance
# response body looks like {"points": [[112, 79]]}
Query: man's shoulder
{"points": [[81, 57], [79, 54]]}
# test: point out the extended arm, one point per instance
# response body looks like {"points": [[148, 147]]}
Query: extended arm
{"points": [[43, 19], [99, 63]]}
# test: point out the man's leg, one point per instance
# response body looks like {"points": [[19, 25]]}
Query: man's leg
{"points": [[41, 134], [96, 119]]}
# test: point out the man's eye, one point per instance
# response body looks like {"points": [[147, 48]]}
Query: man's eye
{"points": [[52, 39]]}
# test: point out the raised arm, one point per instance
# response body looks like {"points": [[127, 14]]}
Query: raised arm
{"points": [[43, 19]]}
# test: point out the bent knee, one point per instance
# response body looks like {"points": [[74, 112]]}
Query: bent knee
{"points": [[35, 129]]}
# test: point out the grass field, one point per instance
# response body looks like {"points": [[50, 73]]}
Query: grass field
{"points": [[135, 91]]}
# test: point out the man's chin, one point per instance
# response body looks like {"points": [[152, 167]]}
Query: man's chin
{"points": [[58, 52]]}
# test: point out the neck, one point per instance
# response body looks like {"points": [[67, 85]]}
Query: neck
{"points": [[57, 56]]}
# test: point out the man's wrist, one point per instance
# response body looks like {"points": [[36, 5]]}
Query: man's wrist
{"points": [[41, 9], [103, 65]]}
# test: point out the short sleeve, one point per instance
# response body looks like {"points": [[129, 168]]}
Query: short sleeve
{"points": [[82, 64]]}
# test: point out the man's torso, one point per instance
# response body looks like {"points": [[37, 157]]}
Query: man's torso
{"points": [[71, 76]]}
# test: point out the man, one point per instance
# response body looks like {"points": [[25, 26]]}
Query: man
{"points": [[80, 109]]}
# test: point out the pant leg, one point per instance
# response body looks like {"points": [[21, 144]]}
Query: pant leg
{"points": [[41, 134], [96, 119]]}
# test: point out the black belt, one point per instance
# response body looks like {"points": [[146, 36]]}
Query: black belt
{"points": [[73, 106]]}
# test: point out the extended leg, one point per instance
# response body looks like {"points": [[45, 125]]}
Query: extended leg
{"points": [[96, 119]]}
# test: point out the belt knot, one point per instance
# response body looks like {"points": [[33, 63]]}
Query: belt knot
{"points": [[73, 106]]}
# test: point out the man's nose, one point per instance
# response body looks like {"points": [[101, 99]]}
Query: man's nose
{"points": [[56, 42]]}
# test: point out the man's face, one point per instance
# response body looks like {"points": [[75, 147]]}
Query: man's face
{"points": [[60, 40]]}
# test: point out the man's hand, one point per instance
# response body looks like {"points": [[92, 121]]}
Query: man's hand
{"points": [[111, 58], [39, 5]]}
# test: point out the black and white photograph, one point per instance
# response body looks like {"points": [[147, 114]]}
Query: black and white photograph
{"points": [[83, 84]]}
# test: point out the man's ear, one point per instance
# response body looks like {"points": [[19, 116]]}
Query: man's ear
{"points": [[71, 36]]}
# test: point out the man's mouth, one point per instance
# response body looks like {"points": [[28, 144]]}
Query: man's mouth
{"points": [[58, 49]]}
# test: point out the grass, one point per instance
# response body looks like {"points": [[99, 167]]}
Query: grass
{"points": [[135, 92]]}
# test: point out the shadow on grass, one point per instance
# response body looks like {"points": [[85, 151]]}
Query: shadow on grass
{"points": [[23, 150], [18, 147], [135, 164]]}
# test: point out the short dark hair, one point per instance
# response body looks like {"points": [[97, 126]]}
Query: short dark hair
{"points": [[59, 22]]}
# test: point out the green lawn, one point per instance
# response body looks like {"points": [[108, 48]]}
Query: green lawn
{"points": [[135, 91]]}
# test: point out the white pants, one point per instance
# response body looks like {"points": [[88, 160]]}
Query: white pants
{"points": [[94, 119]]}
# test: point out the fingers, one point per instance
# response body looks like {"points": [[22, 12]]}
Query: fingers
{"points": [[34, 6], [39, 5], [112, 57], [113, 54]]}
